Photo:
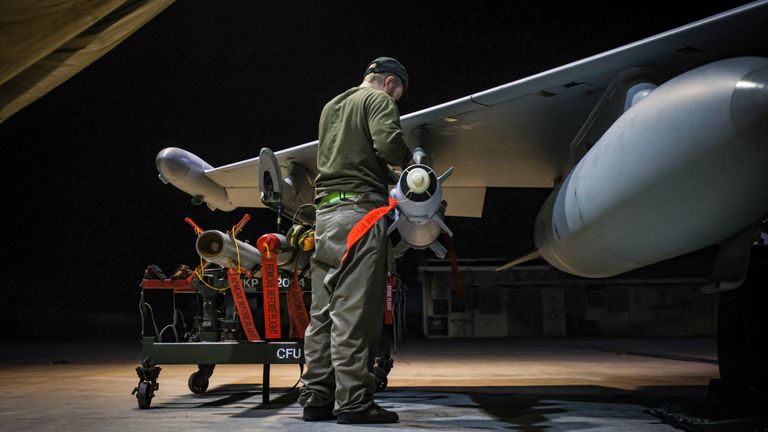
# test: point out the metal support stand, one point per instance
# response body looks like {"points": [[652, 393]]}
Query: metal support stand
{"points": [[208, 354], [265, 386]]}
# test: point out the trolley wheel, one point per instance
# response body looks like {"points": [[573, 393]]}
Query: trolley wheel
{"points": [[198, 382], [144, 394]]}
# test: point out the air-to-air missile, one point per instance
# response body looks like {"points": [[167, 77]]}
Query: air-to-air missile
{"points": [[420, 209]]}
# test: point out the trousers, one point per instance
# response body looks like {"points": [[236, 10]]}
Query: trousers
{"points": [[346, 315]]}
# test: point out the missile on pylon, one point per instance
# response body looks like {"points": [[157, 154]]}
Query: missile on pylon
{"points": [[420, 207]]}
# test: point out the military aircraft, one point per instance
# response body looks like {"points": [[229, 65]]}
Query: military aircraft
{"points": [[654, 150]]}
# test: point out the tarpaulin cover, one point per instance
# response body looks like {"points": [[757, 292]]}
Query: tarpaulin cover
{"points": [[45, 42]]}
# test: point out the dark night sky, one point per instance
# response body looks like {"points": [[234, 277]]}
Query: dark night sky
{"points": [[223, 79]]}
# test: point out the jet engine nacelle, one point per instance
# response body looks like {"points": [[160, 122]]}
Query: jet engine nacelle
{"points": [[684, 168]]}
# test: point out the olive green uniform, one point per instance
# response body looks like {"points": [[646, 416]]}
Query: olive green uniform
{"points": [[359, 134]]}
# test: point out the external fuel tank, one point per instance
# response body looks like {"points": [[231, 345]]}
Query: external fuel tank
{"points": [[682, 169]]}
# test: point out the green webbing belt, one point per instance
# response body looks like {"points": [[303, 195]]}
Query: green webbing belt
{"points": [[336, 196]]}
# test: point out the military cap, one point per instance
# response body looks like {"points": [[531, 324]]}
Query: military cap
{"points": [[388, 64]]}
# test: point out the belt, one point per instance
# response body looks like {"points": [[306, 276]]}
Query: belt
{"points": [[335, 197]]}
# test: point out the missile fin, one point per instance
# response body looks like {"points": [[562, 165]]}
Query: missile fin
{"points": [[394, 225], [445, 175], [400, 249], [442, 224], [438, 249], [531, 256]]}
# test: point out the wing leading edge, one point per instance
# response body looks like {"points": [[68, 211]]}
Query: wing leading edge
{"points": [[526, 127]]}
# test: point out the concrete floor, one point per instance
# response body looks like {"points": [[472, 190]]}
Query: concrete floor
{"points": [[530, 385]]}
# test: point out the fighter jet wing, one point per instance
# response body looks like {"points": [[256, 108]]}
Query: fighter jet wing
{"points": [[528, 133], [241, 179]]}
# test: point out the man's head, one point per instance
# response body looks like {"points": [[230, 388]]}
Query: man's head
{"points": [[388, 75]]}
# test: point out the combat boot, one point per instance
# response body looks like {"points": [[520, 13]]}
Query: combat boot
{"points": [[319, 412], [375, 414]]}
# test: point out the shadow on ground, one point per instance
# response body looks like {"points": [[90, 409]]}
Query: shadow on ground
{"points": [[525, 408]]}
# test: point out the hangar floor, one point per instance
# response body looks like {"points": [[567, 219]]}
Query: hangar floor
{"points": [[531, 385]]}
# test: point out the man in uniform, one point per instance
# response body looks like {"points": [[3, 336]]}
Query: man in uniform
{"points": [[359, 135]]}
